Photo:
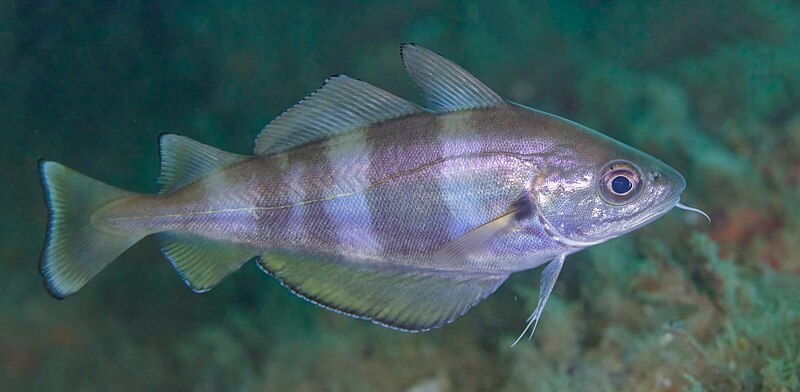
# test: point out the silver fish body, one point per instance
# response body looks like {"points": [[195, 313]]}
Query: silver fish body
{"points": [[371, 206]]}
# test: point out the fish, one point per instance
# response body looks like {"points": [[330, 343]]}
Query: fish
{"points": [[369, 205]]}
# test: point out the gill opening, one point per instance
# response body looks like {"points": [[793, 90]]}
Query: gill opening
{"points": [[550, 228], [556, 235]]}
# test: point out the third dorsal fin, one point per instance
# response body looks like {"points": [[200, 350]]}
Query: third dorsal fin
{"points": [[184, 161], [445, 86], [340, 105]]}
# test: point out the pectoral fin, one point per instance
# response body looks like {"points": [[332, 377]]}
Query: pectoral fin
{"points": [[401, 297], [454, 252], [473, 241]]}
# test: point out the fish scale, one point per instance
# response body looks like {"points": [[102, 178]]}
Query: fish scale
{"points": [[366, 204]]}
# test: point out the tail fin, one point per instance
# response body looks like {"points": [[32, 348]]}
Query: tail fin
{"points": [[76, 249]]}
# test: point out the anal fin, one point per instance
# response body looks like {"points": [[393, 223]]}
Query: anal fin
{"points": [[202, 262], [400, 297]]}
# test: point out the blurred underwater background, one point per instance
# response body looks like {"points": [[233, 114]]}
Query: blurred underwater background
{"points": [[710, 87]]}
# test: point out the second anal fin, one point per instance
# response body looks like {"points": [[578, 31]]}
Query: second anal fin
{"points": [[203, 262]]}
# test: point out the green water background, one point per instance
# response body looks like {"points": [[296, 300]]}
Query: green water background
{"points": [[710, 87]]}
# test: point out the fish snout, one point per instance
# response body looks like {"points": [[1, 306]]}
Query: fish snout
{"points": [[667, 180], [672, 185]]}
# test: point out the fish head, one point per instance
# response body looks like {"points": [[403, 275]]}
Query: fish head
{"points": [[597, 188]]}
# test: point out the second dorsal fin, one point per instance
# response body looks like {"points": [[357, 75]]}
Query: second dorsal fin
{"points": [[445, 86], [340, 105]]}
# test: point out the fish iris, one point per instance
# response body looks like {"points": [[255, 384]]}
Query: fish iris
{"points": [[620, 182]]}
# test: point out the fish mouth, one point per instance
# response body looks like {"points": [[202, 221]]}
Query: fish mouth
{"points": [[656, 213]]}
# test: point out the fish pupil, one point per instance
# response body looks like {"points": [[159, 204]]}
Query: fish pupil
{"points": [[621, 185]]}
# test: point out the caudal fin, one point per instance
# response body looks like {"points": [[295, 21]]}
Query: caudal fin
{"points": [[76, 248]]}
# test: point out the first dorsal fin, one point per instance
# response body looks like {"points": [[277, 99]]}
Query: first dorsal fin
{"points": [[340, 105], [445, 86], [184, 160]]}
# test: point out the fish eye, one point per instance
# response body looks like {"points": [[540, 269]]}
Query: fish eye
{"points": [[621, 185], [620, 182]]}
